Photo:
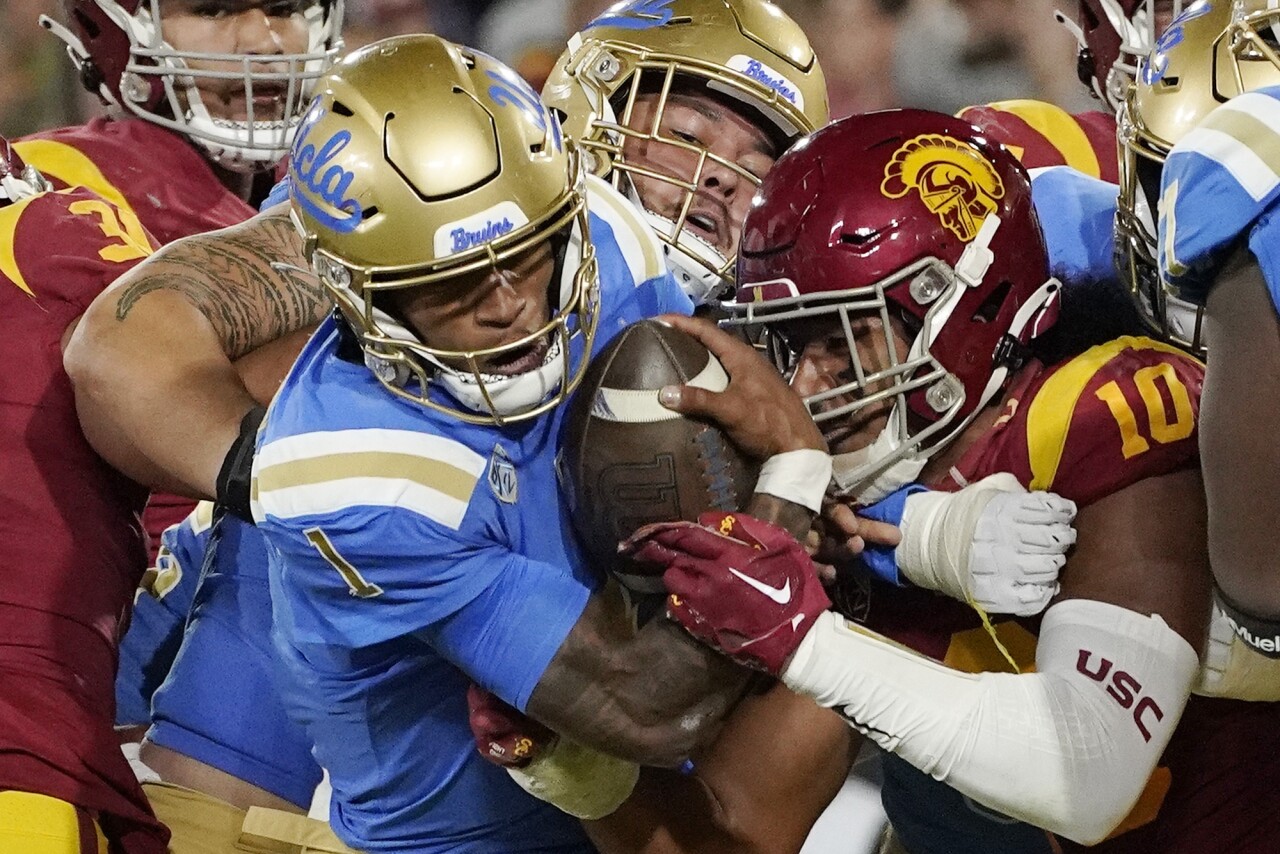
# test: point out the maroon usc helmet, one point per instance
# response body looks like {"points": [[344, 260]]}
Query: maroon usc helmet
{"points": [[917, 218], [1113, 35], [18, 180]]}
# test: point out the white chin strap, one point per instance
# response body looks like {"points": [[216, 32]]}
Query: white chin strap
{"points": [[510, 395], [863, 475], [691, 259]]}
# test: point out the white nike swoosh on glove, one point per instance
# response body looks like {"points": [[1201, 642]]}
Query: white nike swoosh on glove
{"points": [[781, 595]]}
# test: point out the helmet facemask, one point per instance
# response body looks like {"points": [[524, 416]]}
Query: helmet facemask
{"points": [[929, 404], [694, 241], [162, 84], [410, 368]]}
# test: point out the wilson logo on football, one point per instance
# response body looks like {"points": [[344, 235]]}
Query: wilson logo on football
{"points": [[954, 181]]}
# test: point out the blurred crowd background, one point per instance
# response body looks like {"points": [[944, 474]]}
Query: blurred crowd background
{"points": [[937, 54]]}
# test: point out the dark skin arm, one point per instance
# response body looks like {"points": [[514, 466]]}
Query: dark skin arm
{"points": [[777, 748], [1148, 562], [1237, 421], [152, 359], [655, 695]]}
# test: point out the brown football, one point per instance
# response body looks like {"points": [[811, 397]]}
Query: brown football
{"points": [[626, 460]]}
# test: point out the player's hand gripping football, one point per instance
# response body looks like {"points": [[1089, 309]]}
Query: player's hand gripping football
{"points": [[503, 735], [757, 410], [743, 586]]}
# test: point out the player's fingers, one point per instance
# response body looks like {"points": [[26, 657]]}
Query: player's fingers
{"points": [[696, 402], [864, 529], [1046, 539], [1044, 508], [730, 350], [1041, 568]]}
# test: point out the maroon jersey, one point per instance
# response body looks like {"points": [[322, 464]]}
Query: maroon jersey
{"points": [[164, 182], [153, 173], [1041, 134], [1085, 428], [70, 530]]}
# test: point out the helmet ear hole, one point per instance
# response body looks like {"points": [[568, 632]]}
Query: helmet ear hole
{"points": [[990, 307]]}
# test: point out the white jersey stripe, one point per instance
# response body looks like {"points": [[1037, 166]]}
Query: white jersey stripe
{"points": [[322, 472], [1249, 170]]}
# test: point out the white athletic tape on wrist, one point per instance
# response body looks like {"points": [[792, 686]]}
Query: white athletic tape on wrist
{"points": [[577, 780], [1233, 669], [1068, 748], [800, 477]]}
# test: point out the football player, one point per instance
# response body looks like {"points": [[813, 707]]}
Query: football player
{"points": [[202, 97], [897, 260], [1079, 202], [1204, 118], [649, 90], [404, 476], [70, 535], [197, 675]]}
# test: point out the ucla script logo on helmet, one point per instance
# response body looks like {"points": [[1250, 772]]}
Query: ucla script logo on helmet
{"points": [[510, 90], [317, 183], [1157, 64], [636, 15], [954, 180]]}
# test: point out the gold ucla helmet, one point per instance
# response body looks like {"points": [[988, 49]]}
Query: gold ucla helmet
{"points": [[748, 50], [420, 161], [1211, 53]]}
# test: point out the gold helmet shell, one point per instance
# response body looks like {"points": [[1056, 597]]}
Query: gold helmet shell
{"points": [[1212, 52], [418, 162], [747, 50]]}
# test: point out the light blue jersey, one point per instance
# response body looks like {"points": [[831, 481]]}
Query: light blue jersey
{"points": [[197, 663], [1077, 214], [412, 553], [160, 609], [1219, 186]]}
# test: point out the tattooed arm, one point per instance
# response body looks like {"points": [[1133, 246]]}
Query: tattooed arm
{"points": [[154, 359]]}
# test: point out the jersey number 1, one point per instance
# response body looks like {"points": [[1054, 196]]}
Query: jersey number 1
{"points": [[1162, 430], [355, 581]]}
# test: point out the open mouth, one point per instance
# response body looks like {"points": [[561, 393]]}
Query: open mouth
{"points": [[519, 360], [707, 227]]}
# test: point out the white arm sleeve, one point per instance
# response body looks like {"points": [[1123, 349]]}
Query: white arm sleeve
{"points": [[1067, 748]]}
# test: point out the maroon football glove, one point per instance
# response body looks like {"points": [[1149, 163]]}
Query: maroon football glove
{"points": [[744, 586], [503, 735]]}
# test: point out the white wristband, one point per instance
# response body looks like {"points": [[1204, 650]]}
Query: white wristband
{"points": [[800, 477]]}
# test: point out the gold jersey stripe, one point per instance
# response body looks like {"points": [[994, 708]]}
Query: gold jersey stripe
{"points": [[1251, 132], [1059, 128], [1049, 415], [9, 219], [71, 166], [437, 475]]}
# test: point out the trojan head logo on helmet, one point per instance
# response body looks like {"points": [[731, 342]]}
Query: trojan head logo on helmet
{"points": [[240, 104], [18, 179], [745, 51], [1113, 35], [423, 165], [1211, 53], [909, 240]]}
